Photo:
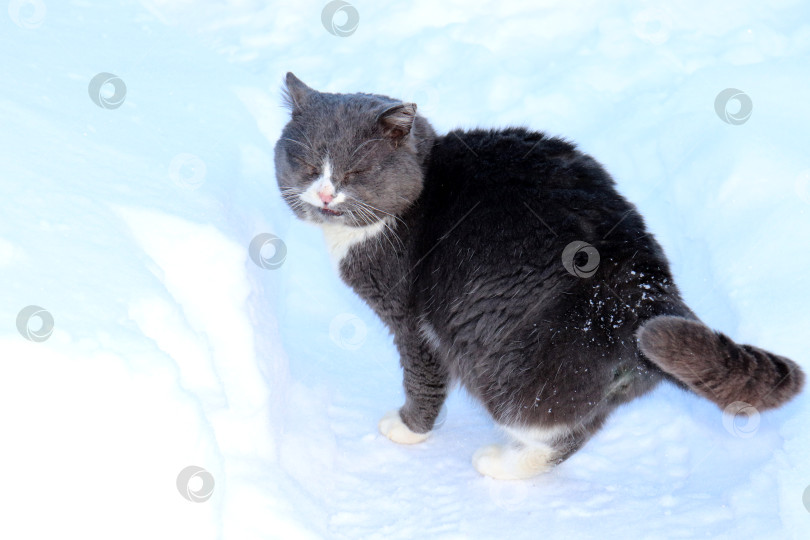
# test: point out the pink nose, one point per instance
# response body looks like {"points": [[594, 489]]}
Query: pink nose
{"points": [[325, 197]]}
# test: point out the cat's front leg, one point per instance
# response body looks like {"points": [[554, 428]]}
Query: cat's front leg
{"points": [[425, 381]]}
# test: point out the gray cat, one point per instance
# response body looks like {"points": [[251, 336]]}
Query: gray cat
{"points": [[504, 260]]}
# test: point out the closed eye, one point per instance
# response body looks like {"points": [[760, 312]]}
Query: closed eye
{"points": [[309, 168], [354, 174]]}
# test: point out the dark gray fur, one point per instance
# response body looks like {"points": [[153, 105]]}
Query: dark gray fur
{"points": [[469, 276]]}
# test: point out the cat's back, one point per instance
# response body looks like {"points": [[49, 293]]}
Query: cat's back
{"points": [[522, 182], [504, 203], [512, 159]]}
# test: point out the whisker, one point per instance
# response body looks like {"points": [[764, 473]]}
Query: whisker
{"points": [[362, 207], [362, 145], [378, 210], [301, 132], [297, 142], [369, 218]]}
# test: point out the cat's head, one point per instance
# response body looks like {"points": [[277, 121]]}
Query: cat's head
{"points": [[350, 159]]}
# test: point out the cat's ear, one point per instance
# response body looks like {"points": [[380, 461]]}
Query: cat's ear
{"points": [[296, 93], [397, 121]]}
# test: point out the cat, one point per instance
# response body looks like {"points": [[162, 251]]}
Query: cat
{"points": [[504, 260]]}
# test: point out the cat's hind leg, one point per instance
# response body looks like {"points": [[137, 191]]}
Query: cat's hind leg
{"points": [[531, 451]]}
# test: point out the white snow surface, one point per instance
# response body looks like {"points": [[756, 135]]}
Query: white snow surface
{"points": [[172, 348]]}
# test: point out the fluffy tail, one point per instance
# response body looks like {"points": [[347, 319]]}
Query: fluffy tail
{"points": [[715, 367]]}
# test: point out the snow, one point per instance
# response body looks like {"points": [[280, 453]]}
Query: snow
{"points": [[172, 348]]}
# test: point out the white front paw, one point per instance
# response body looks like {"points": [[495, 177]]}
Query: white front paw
{"points": [[392, 426]]}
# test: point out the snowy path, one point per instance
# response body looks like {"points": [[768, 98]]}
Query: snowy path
{"points": [[171, 347]]}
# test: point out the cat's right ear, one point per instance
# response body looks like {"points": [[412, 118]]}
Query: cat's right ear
{"points": [[296, 93], [397, 120]]}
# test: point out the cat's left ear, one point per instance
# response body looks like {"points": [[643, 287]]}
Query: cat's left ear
{"points": [[397, 120], [296, 93]]}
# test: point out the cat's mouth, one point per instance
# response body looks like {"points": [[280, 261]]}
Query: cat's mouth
{"points": [[330, 212]]}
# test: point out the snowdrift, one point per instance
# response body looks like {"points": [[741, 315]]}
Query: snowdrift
{"points": [[192, 387]]}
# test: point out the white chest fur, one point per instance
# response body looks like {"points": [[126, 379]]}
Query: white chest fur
{"points": [[341, 238]]}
